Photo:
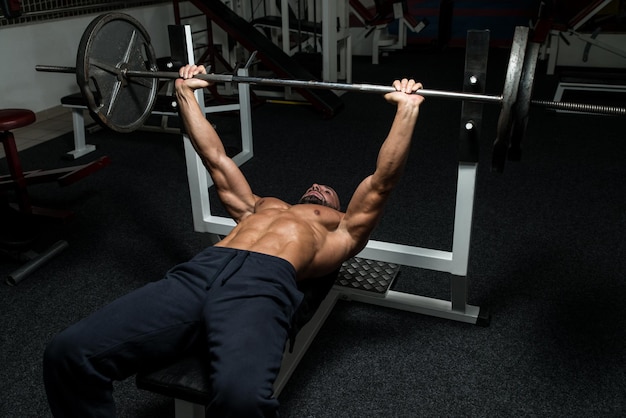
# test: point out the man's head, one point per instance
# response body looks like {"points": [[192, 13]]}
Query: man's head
{"points": [[320, 194]]}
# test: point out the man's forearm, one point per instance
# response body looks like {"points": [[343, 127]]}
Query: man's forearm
{"points": [[395, 150], [203, 137]]}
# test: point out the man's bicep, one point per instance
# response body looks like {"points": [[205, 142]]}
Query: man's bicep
{"points": [[232, 188], [364, 212]]}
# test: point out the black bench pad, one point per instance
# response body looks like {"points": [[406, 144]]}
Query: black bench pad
{"points": [[184, 379]]}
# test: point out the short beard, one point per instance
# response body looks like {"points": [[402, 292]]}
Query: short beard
{"points": [[314, 200]]}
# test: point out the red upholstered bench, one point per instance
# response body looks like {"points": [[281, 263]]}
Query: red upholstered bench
{"points": [[11, 119], [18, 180], [19, 232]]}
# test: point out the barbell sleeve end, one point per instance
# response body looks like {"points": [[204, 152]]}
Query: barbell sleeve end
{"points": [[55, 69], [581, 107]]}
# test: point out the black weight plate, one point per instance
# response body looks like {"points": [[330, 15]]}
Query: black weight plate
{"points": [[522, 106], [509, 97], [112, 43]]}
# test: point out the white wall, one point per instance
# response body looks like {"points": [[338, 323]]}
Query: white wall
{"points": [[56, 43]]}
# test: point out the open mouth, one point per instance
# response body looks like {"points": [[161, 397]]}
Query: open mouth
{"points": [[312, 198], [316, 194]]}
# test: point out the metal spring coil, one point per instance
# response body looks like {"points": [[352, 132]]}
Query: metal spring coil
{"points": [[581, 107]]}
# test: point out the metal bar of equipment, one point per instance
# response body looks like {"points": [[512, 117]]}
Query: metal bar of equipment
{"points": [[311, 84]]}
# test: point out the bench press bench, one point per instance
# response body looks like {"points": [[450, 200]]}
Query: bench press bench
{"points": [[365, 278], [165, 106], [595, 83]]}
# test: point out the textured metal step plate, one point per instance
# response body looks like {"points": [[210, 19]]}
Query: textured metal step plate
{"points": [[373, 277]]}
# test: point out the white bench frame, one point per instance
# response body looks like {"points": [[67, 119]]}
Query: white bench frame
{"points": [[454, 262]]}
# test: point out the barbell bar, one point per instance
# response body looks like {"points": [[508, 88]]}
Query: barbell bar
{"points": [[312, 84], [117, 73], [354, 87]]}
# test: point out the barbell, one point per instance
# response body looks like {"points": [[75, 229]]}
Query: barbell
{"points": [[123, 73], [117, 73]]}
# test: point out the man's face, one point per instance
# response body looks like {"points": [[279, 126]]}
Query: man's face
{"points": [[320, 194]]}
